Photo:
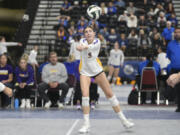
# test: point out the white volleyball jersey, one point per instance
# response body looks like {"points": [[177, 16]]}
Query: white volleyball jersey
{"points": [[2, 87], [116, 58], [90, 64]]}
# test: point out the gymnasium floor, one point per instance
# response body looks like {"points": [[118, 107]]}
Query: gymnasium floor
{"points": [[149, 120]]}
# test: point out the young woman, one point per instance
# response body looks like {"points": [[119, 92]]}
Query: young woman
{"points": [[116, 60], [90, 66], [24, 81]]}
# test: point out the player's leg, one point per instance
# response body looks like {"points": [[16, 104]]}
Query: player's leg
{"points": [[85, 84], [116, 72], [104, 84], [8, 91], [111, 70]]}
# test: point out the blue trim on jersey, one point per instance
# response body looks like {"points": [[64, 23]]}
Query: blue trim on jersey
{"points": [[115, 66]]}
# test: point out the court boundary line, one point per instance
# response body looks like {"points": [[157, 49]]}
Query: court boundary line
{"points": [[72, 127]]}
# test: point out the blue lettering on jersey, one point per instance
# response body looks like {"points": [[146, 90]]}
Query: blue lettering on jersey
{"points": [[95, 41]]}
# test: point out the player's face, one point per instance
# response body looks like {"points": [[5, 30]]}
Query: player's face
{"points": [[3, 60], [53, 59], [23, 64], [89, 34]]}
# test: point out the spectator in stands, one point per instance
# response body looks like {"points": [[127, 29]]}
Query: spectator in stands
{"points": [[132, 42], [173, 50], [153, 32], [156, 42], [162, 59], [142, 23], [103, 50], [94, 23], [161, 21], [170, 8], [167, 33], [120, 3], [104, 32], [82, 25], [144, 42], [6, 78], [112, 38], [103, 20], [131, 9], [61, 34], [158, 9], [148, 63], [104, 8], [54, 76], [24, 81], [173, 20], [151, 12], [123, 42], [112, 10], [123, 17], [66, 8], [4, 44], [84, 7], [64, 20], [116, 59], [73, 51], [132, 21], [82, 18], [151, 23]]}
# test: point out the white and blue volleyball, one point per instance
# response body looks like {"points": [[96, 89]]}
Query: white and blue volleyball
{"points": [[94, 12]]}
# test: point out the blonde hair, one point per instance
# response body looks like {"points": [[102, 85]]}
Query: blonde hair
{"points": [[24, 57]]}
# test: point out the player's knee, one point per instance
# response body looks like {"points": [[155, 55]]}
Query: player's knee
{"points": [[85, 101], [114, 101]]}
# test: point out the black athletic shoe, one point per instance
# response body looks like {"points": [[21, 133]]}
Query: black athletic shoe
{"points": [[177, 110]]}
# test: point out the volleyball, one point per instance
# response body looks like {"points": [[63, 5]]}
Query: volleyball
{"points": [[94, 12]]}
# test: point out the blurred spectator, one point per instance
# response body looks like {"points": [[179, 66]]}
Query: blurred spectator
{"points": [[142, 23], [132, 21], [104, 8], [82, 25], [132, 41], [167, 33], [158, 9], [94, 24], [120, 3], [6, 78], [54, 76], [131, 9], [104, 32], [151, 23], [173, 20], [169, 8], [151, 12], [162, 59], [61, 34], [123, 42], [73, 50], [144, 42], [156, 42], [82, 18], [112, 38], [103, 20], [84, 7], [153, 32], [24, 81], [103, 50], [111, 9], [64, 20], [161, 21], [66, 8], [123, 17]]}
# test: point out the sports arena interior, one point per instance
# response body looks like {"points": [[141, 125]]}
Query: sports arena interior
{"points": [[31, 30]]}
